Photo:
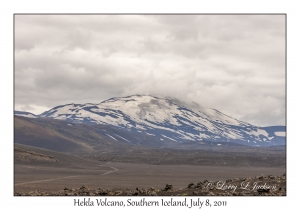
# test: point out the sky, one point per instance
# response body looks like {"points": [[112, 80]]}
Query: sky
{"points": [[232, 63]]}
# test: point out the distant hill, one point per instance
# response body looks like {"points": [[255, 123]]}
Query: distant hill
{"points": [[25, 114]]}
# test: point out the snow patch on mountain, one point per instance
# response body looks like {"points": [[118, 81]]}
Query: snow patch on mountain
{"points": [[280, 133], [112, 137], [169, 138], [123, 138], [166, 118]]}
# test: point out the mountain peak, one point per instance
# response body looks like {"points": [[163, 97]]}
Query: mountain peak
{"points": [[165, 117]]}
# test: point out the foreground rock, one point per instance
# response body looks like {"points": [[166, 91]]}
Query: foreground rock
{"points": [[252, 186]]}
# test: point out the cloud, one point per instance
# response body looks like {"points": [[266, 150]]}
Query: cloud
{"points": [[233, 63]]}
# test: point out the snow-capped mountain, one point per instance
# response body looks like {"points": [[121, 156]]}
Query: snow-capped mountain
{"points": [[169, 120]]}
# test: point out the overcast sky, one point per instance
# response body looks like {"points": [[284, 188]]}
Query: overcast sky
{"points": [[233, 63]]}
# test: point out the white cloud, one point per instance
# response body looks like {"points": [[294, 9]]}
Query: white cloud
{"points": [[234, 63]]}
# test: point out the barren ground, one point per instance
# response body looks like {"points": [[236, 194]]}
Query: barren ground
{"points": [[45, 170], [127, 175]]}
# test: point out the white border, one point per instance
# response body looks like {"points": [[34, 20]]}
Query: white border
{"points": [[8, 8]]}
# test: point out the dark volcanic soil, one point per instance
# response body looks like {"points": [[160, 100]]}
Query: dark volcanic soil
{"points": [[44, 172], [251, 186], [127, 175]]}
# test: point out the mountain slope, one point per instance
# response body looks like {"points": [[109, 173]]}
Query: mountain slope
{"points": [[168, 120], [25, 114], [79, 138], [34, 134]]}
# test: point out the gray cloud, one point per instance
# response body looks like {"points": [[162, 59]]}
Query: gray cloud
{"points": [[233, 63]]}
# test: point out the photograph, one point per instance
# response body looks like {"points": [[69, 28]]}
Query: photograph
{"points": [[149, 105]]}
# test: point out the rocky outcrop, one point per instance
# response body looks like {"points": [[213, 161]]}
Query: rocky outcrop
{"points": [[252, 186]]}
